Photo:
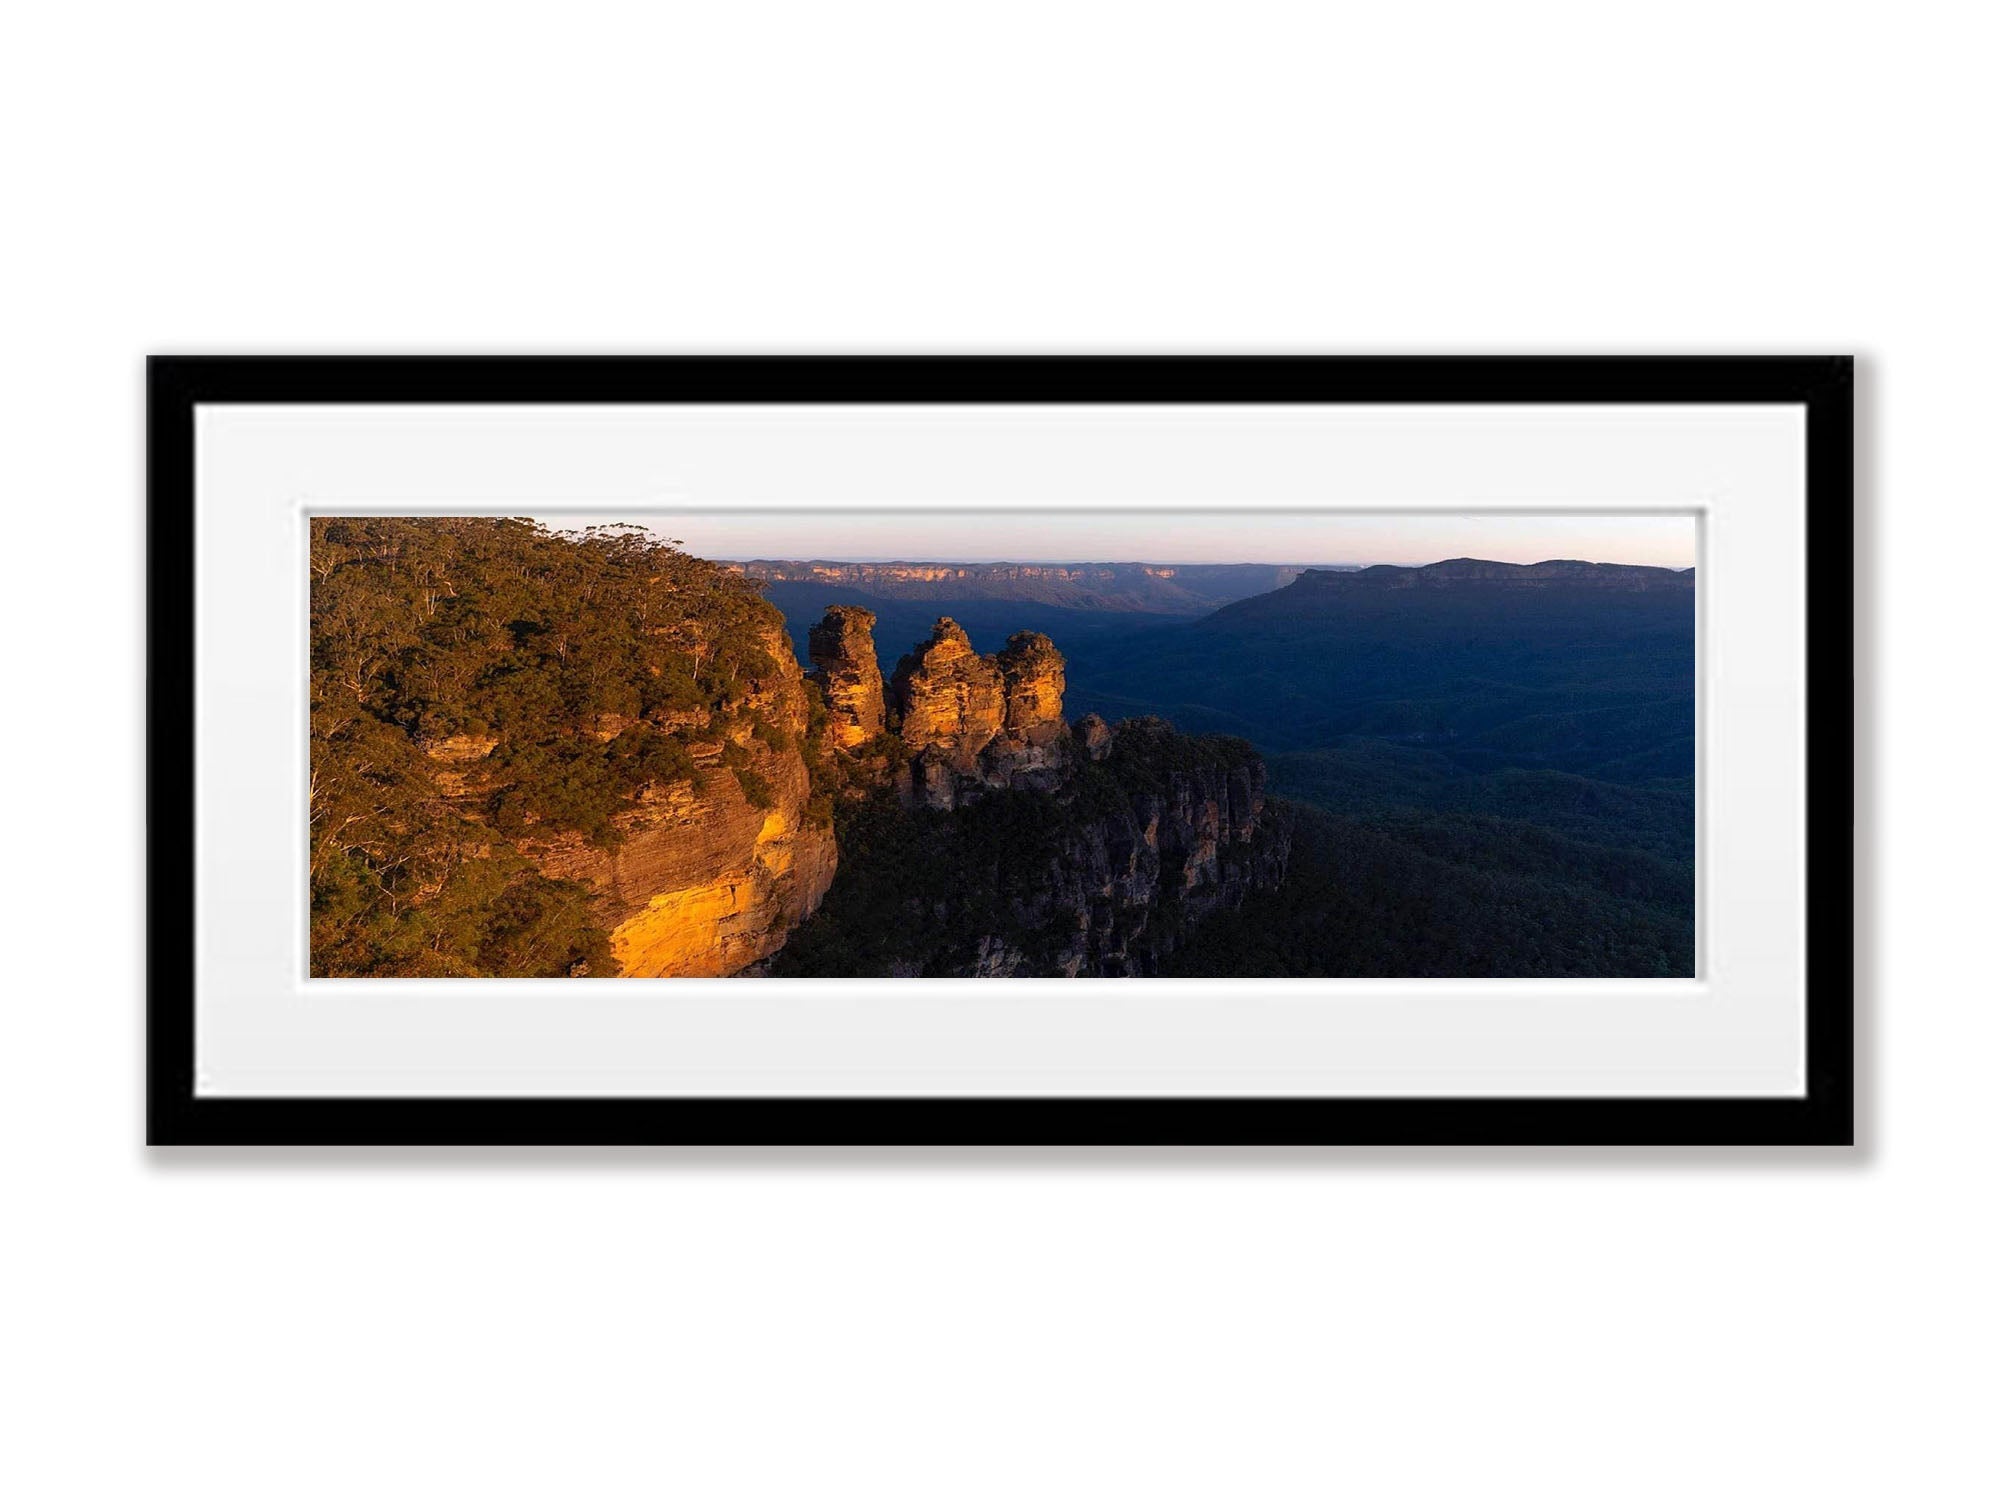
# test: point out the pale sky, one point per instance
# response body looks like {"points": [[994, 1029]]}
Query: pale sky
{"points": [[1027, 535]]}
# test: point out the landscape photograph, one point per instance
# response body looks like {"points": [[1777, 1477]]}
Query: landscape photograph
{"points": [[1003, 744]]}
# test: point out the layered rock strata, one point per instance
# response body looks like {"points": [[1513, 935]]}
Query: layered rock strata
{"points": [[972, 723], [842, 648], [708, 879]]}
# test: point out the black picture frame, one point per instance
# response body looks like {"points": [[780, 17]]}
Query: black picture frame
{"points": [[1824, 1115]]}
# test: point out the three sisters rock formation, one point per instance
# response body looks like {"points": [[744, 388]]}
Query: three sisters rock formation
{"points": [[1150, 830]]}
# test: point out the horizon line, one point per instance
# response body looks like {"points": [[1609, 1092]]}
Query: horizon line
{"points": [[1136, 562]]}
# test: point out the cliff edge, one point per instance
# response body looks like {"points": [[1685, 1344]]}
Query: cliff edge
{"points": [[711, 874]]}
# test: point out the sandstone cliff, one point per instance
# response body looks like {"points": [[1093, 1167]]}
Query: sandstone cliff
{"points": [[948, 697], [971, 723], [538, 753], [707, 874], [842, 647], [708, 878], [1031, 723]]}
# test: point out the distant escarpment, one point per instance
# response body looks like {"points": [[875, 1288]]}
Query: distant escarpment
{"points": [[539, 754], [1149, 588], [984, 836]]}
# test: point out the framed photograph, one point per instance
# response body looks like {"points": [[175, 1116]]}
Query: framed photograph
{"points": [[1022, 751]]}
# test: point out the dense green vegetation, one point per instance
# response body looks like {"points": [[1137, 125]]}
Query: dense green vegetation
{"points": [[1459, 896], [555, 676], [1359, 777], [917, 889]]}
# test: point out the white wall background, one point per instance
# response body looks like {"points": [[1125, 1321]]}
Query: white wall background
{"points": [[1432, 177]]}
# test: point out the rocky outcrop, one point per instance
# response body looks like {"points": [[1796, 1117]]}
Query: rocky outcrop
{"points": [[948, 698], [1022, 846], [1033, 748], [709, 876], [842, 647], [1031, 685], [973, 723], [713, 882], [705, 883], [1093, 736], [948, 704]]}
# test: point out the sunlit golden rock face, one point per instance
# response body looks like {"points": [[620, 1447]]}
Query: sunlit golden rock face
{"points": [[704, 883], [728, 882], [972, 723], [1031, 673], [949, 698], [842, 647], [1031, 677]]}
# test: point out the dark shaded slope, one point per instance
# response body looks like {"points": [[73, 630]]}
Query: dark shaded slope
{"points": [[1462, 897], [1107, 868], [1589, 672]]}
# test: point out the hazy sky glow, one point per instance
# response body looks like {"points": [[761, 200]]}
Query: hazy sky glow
{"points": [[1167, 536]]}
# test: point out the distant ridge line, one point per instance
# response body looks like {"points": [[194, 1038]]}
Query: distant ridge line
{"points": [[1162, 588], [1551, 571]]}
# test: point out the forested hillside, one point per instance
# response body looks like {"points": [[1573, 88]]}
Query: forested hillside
{"points": [[1404, 893], [494, 708]]}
